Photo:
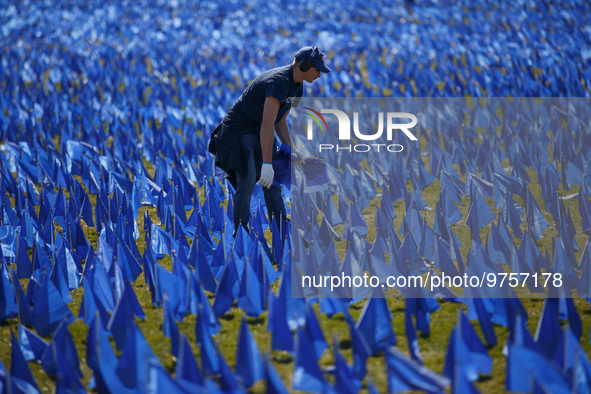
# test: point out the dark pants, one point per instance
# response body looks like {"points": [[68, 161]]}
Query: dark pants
{"points": [[245, 188]]}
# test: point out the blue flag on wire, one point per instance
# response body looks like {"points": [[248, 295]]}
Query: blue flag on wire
{"points": [[101, 359], [252, 287], [249, 363], [176, 290], [170, 328], [123, 316], [136, 353], [573, 360], [228, 288], [307, 375], [24, 267], [295, 307], [24, 305], [20, 373], [274, 382], [314, 332], [466, 352], [281, 336], [203, 271], [158, 380], [525, 366], [361, 349], [411, 337], [548, 333], [64, 342], [50, 309], [66, 378], [32, 346], [210, 362], [90, 305], [198, 298], [345, 380], [375, 323], [405, 375], [187, 371], [486, 325], [8, 304]]}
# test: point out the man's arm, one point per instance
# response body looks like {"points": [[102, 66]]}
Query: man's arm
{"points": [[282, 130], [267, 131]]}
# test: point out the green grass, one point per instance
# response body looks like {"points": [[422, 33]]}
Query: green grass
{"points": [[433, 347]]}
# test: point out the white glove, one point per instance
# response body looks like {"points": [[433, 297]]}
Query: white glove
{"points": [[267, 174], [300, 157]]}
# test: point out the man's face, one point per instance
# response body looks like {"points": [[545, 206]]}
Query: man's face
{"points": [[312, 74]]}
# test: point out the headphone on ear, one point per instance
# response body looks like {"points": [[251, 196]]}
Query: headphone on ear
{"points": [[306, 63]]}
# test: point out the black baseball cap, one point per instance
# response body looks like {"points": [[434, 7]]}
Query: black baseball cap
{"points": [[317, 60]]}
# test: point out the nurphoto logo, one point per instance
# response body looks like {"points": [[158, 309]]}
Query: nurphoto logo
{"points": [[345, 129]]}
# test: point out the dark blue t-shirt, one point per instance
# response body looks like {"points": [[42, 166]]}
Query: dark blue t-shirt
{"points": [[246, 116], [277, 82]]}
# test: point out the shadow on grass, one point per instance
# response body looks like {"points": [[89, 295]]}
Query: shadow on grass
{"points": [[255, 321], [484, 378], [227, 316], [345, 344]]}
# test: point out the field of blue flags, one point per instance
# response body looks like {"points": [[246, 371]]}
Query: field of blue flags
{"points": [[120, 271]]}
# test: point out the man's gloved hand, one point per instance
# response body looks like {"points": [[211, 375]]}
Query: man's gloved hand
{"points": [[267, 174], [299, 157]]}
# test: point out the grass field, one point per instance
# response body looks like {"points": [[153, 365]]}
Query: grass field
{"points": [[433, 347]]}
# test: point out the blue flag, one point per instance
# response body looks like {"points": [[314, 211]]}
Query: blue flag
{"points": [[307, 375], [466, 353], [249, 363], [361, 350], [136, 353], [314, 332], [187, 371], [227, 289], [64, 342], [20, 372], [274, 383], [8, 302], [404, 375], [281, 336], [67, 379], [525, 366], [50, 309], [170, 328], [345, 380], [90, 305], [198, 298], [252, 288], [23, 302], [101, 359], [375, 323], [123, 316], [486, 325], [227, 379], [411, 337], [210, 362], [24, 267], [32, 346], [548, 333], [573, 360], [202, 269], [158, 380]]}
